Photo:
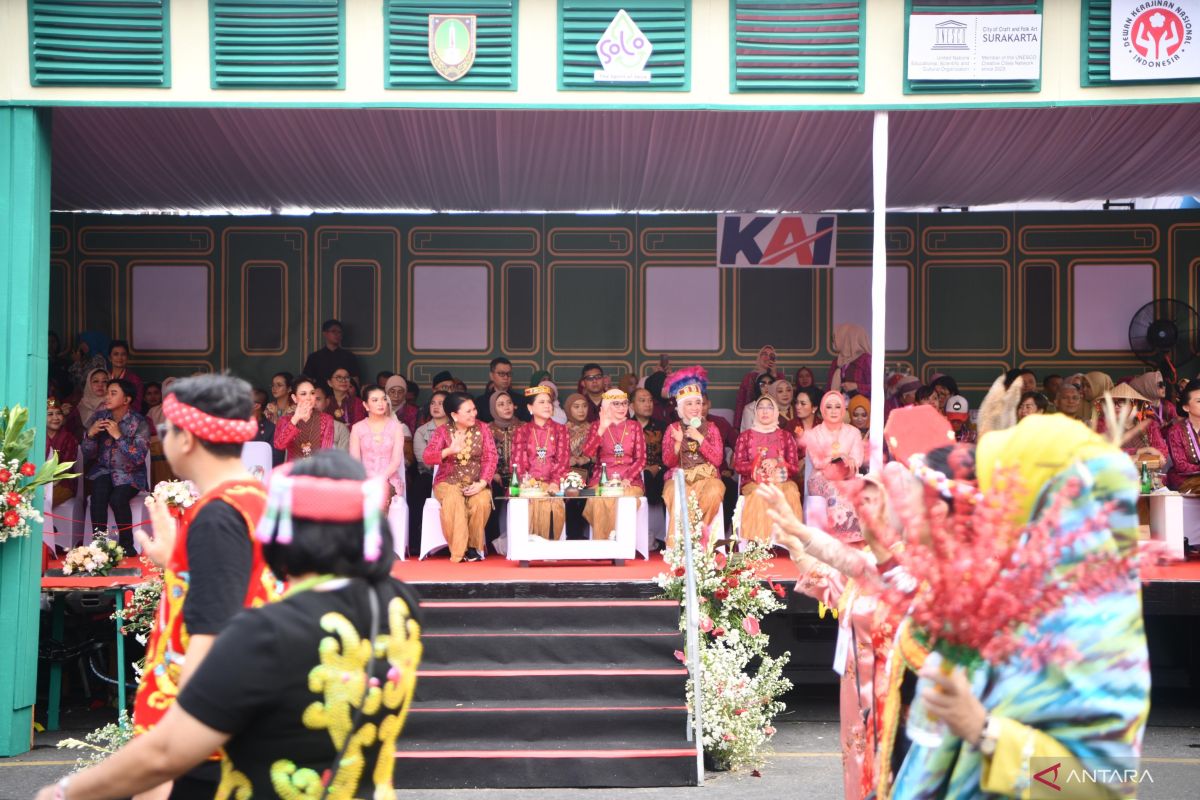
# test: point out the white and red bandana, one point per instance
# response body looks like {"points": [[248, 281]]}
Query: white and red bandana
{"points": [[217, 430]]}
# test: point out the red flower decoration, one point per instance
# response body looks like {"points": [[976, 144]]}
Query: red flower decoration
{"points": [[732, 581], [720, 560], [12, 499], [28, 469], [721, 594], [11, 519], [754, 592], [718, 632], [679, 654], [680, 572], [750, 625], [5, 476], [779, 589]]}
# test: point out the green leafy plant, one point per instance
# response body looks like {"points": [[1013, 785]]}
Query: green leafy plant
{"points": [[100, 743], [19, 477]]}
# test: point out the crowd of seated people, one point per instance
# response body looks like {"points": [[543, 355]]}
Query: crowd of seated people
{"points": [[463, 448]]}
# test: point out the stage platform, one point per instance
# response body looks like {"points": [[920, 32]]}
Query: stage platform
{"points": [[1172, 589]]}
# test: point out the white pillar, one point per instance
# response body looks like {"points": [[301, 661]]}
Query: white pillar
{"points": [[879, 157]]}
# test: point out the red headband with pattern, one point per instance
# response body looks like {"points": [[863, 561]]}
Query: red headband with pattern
{"points": [[217, 430]]}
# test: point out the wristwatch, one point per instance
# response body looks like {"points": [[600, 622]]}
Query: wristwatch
{"points": [[60, 788], [990, 737]]}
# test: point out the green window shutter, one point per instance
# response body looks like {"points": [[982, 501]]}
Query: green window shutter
{"points": [[967, 7], [797, 45], [666, 23], [277, 44], [90, 43], [1094, 46], [406, 23]]}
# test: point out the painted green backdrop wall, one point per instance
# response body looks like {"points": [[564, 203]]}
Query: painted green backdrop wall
{"points": [[984, 291]]}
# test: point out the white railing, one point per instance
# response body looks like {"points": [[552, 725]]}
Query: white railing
{"points": [[692, 607]]}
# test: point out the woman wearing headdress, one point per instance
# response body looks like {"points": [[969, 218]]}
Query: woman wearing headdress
{"points": [[835, 449], [306, 430], [578, 428], [1142, 440], [692, 445], [1095, 385], [543, 457], [504, 427], [465, 454], [1005, 721], [324, 531], [617, 448], [60, 441], [749, 389], [765, 453], [95, 389], [784, 395], [1152, 386], [851, 371], [397, 395], [557, 413]]}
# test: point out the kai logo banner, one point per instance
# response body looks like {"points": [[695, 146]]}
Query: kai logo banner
{"points": [[776, 240]]}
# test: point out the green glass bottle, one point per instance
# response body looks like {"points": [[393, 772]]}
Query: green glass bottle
{"points": [[1147, 483], [603, 477], [514, 483]]}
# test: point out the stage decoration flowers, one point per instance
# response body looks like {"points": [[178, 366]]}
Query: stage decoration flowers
{"points": [[740, 681], [984, 580], [178, 495], [573, 480], [101, 743], [19, 477], [141, 604], [91, 560]]}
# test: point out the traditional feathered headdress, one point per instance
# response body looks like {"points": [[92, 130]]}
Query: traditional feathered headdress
{"points": [[688, 381]]}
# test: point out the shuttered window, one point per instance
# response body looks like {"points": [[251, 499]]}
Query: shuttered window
{"points": [[967, 7], [407, 26], [665, 23], [797, 45], [277, 44], [99, 43]]}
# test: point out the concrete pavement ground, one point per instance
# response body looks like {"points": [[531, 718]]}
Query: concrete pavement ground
{"points": [[806, 762]]}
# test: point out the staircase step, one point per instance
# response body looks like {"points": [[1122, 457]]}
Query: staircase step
{"points": [[663, 686], [548, 768], [436, 725], [529, 616], [551, 648]]}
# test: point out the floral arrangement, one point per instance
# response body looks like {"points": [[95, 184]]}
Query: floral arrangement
{"points": [[101, 743], [141, 604], [984, 579], [178, 495], [97, 558], [740, 682], [573, 480], [19, 477]]}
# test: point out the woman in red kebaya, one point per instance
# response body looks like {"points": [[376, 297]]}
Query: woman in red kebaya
{"points": [[618, 451], [542, 454]]}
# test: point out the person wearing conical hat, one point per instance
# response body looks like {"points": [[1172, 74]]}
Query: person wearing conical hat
{"points": [[1142, 440], [542, 453], [694, 446], [618, 450]]}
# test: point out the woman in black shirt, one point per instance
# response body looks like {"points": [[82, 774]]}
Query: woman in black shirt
{"points": [[294, 688]]}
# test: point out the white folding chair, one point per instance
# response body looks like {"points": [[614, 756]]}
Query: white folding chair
{"points": [[432, 538], [137, 507], [66, 526]]}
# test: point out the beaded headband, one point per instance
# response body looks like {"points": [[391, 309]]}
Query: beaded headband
{"points": [[52, 402], [322, 500], [218, 430], [614, 394], [534, 391]]}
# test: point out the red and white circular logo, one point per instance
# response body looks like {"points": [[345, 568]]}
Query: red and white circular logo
{"points": [[1154, 34]]}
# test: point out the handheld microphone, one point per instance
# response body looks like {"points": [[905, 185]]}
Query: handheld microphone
{"points": [[694, 422]]}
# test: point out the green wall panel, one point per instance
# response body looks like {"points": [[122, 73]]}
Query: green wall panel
{"points": [[958, 318], [590, 308]]}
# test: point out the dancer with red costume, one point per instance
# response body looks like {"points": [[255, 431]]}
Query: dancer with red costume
{"points": [[212, 565]]}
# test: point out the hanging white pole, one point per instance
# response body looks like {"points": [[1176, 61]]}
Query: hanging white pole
{"points": [[879, 158]]}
